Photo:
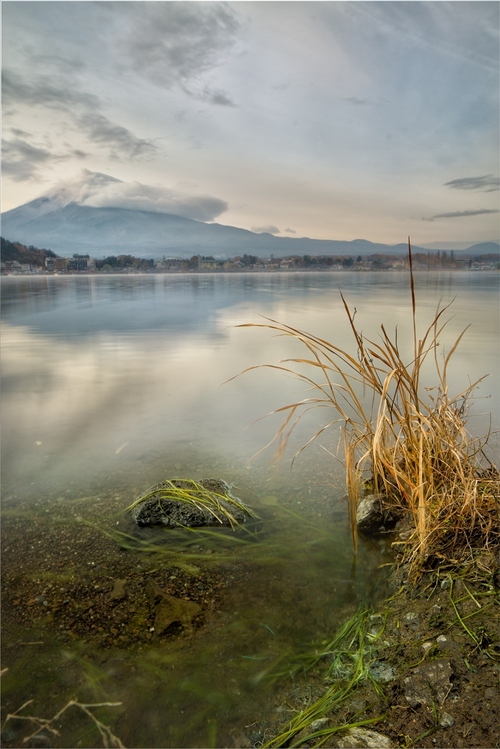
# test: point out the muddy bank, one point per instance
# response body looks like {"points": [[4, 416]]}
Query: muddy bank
{"points": [[436, 664]]}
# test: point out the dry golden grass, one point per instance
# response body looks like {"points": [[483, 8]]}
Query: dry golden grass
{"points": [[412, 441]]}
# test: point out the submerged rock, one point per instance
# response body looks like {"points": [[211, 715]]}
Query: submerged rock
{"points": [[170, 610], [157, 508], [119, 590], [381, 671]]}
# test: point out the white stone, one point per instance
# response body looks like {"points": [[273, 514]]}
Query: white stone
{"points": [[358, 738]]}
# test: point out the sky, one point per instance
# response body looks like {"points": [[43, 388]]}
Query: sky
{"points": [[331, 120]]}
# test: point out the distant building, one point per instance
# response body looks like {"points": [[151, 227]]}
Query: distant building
{"points": [[209, 263], [13, 267], [60, 263], [81, 263]]}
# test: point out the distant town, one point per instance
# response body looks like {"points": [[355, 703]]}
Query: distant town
{"points": [[17, 259]]}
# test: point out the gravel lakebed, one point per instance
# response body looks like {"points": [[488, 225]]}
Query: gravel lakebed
{"points": [[67, 583]]}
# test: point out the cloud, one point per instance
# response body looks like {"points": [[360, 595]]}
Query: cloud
{"points": [[82, 108], [98, 190], [460, 214], [485, 183], [23, 160], [356, 101], [121, 142], [80, 189], [290, 231], [217, 97], [20, 159], [43, 91], [265, 229], [176, 44]]}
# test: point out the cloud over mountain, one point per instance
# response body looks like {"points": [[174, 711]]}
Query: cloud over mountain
{"points": [[96, 190], [268, 229]]}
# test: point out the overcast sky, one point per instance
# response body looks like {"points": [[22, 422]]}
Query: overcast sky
{"points": [[333, 120]]}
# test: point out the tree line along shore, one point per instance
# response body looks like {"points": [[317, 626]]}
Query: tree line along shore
{"points": [[20, 259]]}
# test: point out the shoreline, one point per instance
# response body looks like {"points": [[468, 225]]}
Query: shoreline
{"points": [[436, 664], [263, 271]]}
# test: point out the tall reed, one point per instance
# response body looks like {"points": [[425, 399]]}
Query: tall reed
{"points": [[411, 440]]}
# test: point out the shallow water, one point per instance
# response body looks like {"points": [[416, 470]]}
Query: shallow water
{"points": [[113, 383]]}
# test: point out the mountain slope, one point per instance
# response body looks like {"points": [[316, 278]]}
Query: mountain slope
{"points": [[73, 228], [103, 231], [483, 248]]}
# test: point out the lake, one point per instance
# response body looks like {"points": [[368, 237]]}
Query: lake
{"points": [[113, 383]]}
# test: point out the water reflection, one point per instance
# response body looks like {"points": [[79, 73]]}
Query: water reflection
{"points": [[95, 364]]}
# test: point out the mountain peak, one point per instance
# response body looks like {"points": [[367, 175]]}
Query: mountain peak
{"points": [[99, 190], [79, 190]]}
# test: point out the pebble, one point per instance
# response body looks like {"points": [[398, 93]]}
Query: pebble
{"points": [[411, 617], [446, 720]]}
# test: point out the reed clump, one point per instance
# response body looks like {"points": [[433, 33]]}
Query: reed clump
{"points": [[409, 441]]}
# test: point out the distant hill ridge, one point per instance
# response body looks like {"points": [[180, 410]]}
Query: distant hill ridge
{"points": [[73, 228]]}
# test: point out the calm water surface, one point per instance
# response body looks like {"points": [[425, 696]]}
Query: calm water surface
{"points": [[102, 372], [116, 382]]}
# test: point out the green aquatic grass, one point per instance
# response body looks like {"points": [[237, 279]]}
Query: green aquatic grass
{"points": [[479, 637], [203, 547], [266, 538], [347, 658]]}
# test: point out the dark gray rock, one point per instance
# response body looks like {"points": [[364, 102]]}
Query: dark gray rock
{"points": [[374, 515], [428, 683], [381, 671], [158, 509]]}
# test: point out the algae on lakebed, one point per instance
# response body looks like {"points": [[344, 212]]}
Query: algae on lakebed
{"points": [[79, 623]]}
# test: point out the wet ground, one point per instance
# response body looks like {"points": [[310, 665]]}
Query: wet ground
{"points": [[437, 665]]}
